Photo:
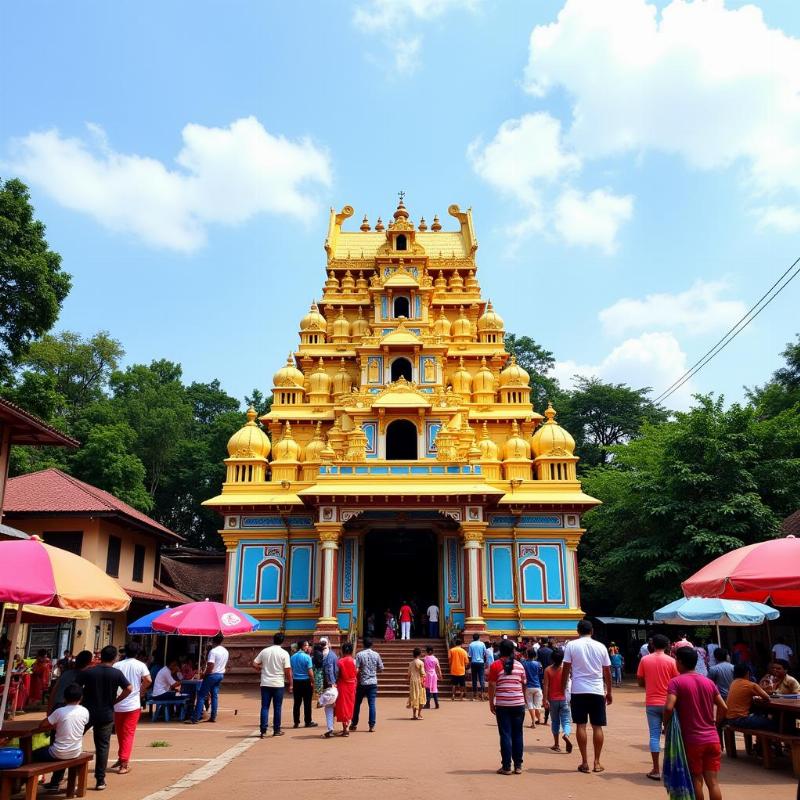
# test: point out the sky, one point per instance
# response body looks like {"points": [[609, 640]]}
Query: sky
{"points": [[633, 168]]}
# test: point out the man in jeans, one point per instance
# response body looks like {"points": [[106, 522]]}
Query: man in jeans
{"points": [[368, 664], [655, 672], [100, 686], [216, 664], [589, 665], [303, 677], [276, 671], [477, 665]]}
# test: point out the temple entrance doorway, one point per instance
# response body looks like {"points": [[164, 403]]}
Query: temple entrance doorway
{"points": [[400, 564]]}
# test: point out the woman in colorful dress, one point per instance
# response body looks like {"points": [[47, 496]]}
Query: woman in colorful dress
{"points": [[40, 677], [433, 674], [346, 685], [416, 685], [390, 626], [556, 702], [317, 656]]}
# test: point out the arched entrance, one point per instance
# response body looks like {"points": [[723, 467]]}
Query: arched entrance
{"points": [[401, 368], [401, 307], [401, 440]]}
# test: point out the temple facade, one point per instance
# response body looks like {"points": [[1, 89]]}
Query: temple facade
{"points": [[402, 458]]}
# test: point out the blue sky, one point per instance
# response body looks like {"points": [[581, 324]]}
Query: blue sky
{"points": [[633, 169]]}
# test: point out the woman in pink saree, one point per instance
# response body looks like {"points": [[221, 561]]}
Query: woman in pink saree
{"points": [[433, 674]]}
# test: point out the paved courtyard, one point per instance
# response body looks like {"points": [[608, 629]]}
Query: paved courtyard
{"points": [[451, 751]]}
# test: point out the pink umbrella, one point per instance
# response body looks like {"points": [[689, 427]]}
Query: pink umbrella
{"points": [[204, 619]]}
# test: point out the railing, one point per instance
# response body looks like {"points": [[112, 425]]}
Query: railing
{"points": [[400, 469]]}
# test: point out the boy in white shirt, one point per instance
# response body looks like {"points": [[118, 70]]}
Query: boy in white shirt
{"points": [[70, 722]]}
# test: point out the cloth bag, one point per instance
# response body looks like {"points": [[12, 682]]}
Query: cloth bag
{"points": [[328, 697], [675, 774]]}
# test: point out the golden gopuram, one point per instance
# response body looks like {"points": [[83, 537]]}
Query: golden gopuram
{"points": [[402, 458]]}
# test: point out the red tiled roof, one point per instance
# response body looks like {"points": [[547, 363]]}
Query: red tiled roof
{"points": [[52, 491], [29, 429], [792, 524], [197, 580], [160, 594]]}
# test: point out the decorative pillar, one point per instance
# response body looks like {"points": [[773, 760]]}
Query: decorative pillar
{"points": [[329, 535], [572, 587], [230, 573], [473, 551]]}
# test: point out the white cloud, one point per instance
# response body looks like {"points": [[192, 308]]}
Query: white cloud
{"points": [[224, 175], [785, 219], [527, 159], [651, 359], [712, 85], [396, 21], [700, 309], [592, 219]]}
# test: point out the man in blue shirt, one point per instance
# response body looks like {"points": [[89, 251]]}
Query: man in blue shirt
{"points": [[303, 677], [477, 665], [533, 686]]}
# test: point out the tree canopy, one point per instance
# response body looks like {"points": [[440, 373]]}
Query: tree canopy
{"points": [[32, 284]]}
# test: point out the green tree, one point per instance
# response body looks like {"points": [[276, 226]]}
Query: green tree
{"points": [[32, 284], [105, 460], [782, 392], [538, 363], [259, 402], [683, 493], [600, 415]]}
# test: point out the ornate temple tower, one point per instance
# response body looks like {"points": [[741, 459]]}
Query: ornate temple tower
{"points": [[406, 461]]}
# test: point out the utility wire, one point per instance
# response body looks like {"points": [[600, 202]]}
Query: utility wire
{"points": [[740, 325]]}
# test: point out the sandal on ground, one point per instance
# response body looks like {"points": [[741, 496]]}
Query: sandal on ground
{"points": [[598, 768], [567, 744], [654, 776], [518, 770], [327, 735], [123, 770], [502, 771], [555, 748], [584, 768]]}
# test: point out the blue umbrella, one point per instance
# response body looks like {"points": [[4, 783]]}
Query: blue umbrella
{"points": [[143, 625], [715, 610]]}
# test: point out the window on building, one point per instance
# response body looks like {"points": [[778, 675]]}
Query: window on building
{"points": [[402, 308], [401, 441], [112, 559], [71, 541], [401, 243], [138, 563], [401, 367]]}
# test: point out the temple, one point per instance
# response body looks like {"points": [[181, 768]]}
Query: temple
{"points": [[401, 458]]}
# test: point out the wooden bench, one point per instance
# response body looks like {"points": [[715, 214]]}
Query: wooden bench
{"points": [[764, 740], [77, 774]]}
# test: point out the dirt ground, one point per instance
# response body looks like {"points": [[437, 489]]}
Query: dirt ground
{"points": [[451, 751]]}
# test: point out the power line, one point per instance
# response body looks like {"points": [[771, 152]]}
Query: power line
{"points": [[740, 325]]}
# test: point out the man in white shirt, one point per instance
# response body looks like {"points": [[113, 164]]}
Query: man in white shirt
{"points": [[167, 684], [588, 664], [276, 672], [70, 722], [782, 650], [128, 710], [433, 621], [216, 663]]}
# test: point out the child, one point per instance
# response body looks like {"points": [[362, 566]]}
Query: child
{"points": [[327, 700], [70, 722], [694, 698]]}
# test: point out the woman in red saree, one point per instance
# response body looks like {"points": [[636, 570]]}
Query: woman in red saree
{"points": [[346, 684], [40, 677]]}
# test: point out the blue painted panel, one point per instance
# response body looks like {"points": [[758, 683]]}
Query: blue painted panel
{"points": [[270, 584], [399, 470], [419, 470], [532, 583], [301, 624], [502, 579], [301, 522], [432, 429], [302, 573], [262, 522], [346, 470], [344, 620], [384, 307], [437, 470], [458, 619], [418, 307], [250, 558]]}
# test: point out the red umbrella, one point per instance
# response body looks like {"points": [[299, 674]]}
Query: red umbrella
{"points": [[204, 618], [765, 571]]}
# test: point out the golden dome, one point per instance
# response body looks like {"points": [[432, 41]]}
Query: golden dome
{"points": [[315, 447], [442, 325], [551, 439], [515, 447], [361, 282], [287, 448], [436, 227], [456, 282], [440, 282], [461, 327], [484, 379], [341, 327], [514, 376], [423, 226], [359, 327], [313, 321], [400, 211], [342, 381], [490, 320], [365, 224], [489, 449], [462, 380], [379, 225], [319, 382], [288, 375], [249, 441]]}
